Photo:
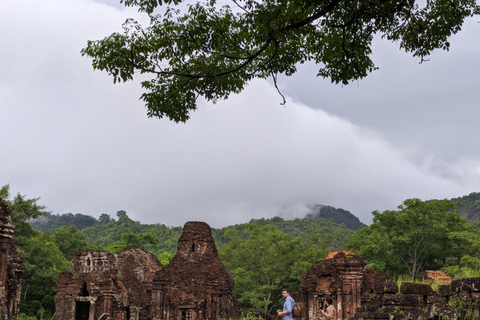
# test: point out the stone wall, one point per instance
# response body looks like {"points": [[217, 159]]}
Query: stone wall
{"points": [[459, 300], [415, 301], [11, 266]]}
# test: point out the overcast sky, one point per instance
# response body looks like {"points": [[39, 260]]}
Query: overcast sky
{"points": [[85, 145]]}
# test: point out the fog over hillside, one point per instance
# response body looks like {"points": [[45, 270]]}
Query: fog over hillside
{"points": [[85, 145]]}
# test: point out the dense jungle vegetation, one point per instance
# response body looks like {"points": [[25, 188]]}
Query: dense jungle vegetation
{"points": [[263, 255]]}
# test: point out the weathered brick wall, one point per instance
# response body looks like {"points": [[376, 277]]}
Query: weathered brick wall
{"points": [[135, 269], [365, 294], [11, 266], [432, 276], [100, 282], [195, 284], [132, 284], [343, 277]]}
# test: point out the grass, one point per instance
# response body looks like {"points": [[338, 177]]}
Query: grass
{"points": [[23, 316], [471, 314], [467, 273], [406, 278]]}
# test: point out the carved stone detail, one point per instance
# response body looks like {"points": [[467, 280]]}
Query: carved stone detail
{"points": [[103, 283], [343, 277]]}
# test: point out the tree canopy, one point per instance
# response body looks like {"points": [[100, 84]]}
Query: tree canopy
{"points": [[267, 261], [420, 235], [469, 207], [69, 240], [41, 256], [54, 221], [43, 261], [211, 50], [22, 208], [116, 234], [146, 241]]}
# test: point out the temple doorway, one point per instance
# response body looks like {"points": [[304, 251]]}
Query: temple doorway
{"points": [[82, 310], [187, 314]]}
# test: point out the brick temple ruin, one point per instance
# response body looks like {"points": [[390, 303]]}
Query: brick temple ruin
{"points": [[195, 284], [342, 275], [132, 284], [364, 294], [11, 266], [102, 283]]}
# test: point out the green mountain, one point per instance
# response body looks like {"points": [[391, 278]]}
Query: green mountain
{"points": [[54, 221], [326, 223], [338, 215], [469, 207], [304, 228]]}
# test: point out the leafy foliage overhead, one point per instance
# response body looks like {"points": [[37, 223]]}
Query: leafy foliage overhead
{"points": [[211, 50]]}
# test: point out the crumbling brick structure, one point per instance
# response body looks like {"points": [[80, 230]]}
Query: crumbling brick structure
{"points": [[103, 284], [11, 266], [196, 284], [133, 285], [343, 277], [419, 301], [432, 276], [364, 294]]}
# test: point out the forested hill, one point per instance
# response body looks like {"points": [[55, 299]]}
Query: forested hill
{"points": [[324, 220], [325, 223], [82, 221], [53, 222], [297, 228], [469, 207], [339, 215]]}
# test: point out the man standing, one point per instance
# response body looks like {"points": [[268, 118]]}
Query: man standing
{"points": [[287, 312]]}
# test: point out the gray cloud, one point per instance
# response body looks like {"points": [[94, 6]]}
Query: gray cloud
{"points": [[428, 109], [85, 145]]}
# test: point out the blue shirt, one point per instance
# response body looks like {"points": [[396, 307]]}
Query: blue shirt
{"points": [[288, 306]]}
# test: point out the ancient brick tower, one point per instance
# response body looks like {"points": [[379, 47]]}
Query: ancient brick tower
{"points": [[196, 284], [11, 266], [103, 284], [343, 277]]}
